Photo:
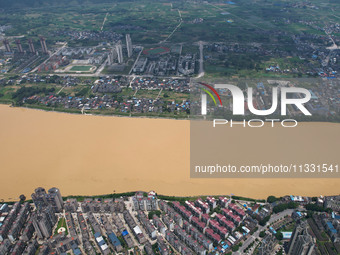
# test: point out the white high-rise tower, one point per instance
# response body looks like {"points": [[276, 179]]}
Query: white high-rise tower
{"points": [[119, 50], [128, 45]]}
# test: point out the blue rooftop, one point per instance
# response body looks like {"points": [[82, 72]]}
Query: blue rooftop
{"points": [[76, 251], [272, 230], [331, 227], [114, 239], [260, 85], [225, 246]]}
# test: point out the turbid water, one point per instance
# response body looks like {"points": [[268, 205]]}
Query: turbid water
{"points": [[91, 155]]}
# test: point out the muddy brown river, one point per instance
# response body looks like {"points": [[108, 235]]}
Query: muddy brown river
{"points": [[91, 155]]}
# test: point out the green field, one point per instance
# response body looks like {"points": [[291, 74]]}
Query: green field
{"points": [[80, 68], [61, 223], [153, 21], [155, 51], [270, 25]]}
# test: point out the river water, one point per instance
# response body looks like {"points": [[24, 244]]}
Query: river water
{"points": [[92, 155]]}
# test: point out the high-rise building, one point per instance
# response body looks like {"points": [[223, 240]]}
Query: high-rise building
{"points": [[31, 46], [42, 225], [112, 56], [119, 50], [42, 200], [54, 198], [128, 45], [267, 246], [6, 43], [39, 198], [43, 45], [19, 46], [43, 221], [301, 242], [50, 213], [47, 205]]}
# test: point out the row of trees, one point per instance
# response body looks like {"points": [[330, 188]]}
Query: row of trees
{"points": [[25, 92], [282, 207]]}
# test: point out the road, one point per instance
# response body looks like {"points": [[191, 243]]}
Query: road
{"points": [[129, 206], [252, 238], [180, 23], [133, 66], [331, 48], [123, 75], [334, 46], [159, 93], [101, 68], [101, 29], [60, 90]]}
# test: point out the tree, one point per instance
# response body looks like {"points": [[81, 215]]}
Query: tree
{"points": [[25, 92], [292, 205], [279, 236], [263, 222], [235, 248], [282, 207], [262, 234], [62, 94], [272, 199], [152, 213]]}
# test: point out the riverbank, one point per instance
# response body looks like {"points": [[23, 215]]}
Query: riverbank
{"points": [[96, 155], [149, 116], [78, 112]]}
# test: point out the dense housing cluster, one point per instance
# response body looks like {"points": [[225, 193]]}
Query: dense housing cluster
{"points": [[147, 223]]}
